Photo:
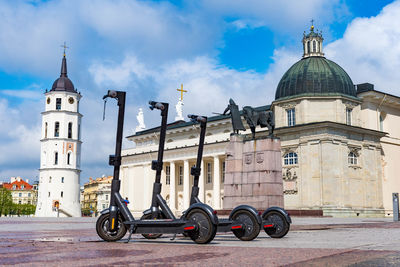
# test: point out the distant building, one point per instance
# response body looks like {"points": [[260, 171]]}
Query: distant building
{"points": [[96, 194], [21, 191]]}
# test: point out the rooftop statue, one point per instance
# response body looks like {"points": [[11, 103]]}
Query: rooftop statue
{"points": [[140, 120], [262, 118], [233, 110]]}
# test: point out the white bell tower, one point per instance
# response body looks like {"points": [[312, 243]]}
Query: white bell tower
{"points": [[60, 150]]}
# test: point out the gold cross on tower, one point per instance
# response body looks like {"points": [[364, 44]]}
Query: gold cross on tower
{"points": [[65, 47], [181, 90]]}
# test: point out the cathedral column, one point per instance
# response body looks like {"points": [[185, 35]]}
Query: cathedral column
{"points": [[201, 182], [186, 184], [216, 184], [172, 186]]}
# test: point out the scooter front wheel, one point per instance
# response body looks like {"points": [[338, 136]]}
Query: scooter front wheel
{"points": [[206, 230], [250, 226], [103, 231], [149, 236], [281, 226]]}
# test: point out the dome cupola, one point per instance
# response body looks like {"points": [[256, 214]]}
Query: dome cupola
{"points": [[314, 75]]}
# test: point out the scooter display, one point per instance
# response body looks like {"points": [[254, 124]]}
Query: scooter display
{"points": [[244, 221], [199, 222]]}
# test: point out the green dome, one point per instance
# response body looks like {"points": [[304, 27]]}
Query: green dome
{"points": [[315, 76]]}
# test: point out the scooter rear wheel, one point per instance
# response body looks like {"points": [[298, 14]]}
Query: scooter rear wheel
{"points": [[105, 234], [206, 230], [281, 226], [251, 227], [149, 236]]}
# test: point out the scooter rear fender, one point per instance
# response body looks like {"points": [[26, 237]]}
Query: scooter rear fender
{"points": [[204, 207], [248, 208], [278, 209]]}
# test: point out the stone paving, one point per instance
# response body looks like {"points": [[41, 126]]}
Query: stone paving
{"points": [[310, 242]]}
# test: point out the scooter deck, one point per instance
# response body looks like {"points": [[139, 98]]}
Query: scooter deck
{"points": [[162, 226]]}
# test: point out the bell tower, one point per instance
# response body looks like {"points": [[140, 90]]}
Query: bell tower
{"points": [[60, 150]]}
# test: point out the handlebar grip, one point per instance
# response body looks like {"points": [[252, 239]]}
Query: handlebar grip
{"points": [[157, 105], [197, 118]]}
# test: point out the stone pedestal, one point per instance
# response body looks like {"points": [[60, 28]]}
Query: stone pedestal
{"points": [[253, 173]]}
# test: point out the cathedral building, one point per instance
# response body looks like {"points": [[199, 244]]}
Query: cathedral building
{"points": [[60, 150], [339, 144]]}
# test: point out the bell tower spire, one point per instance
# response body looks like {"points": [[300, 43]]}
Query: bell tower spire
{"points": [[312, 43]]}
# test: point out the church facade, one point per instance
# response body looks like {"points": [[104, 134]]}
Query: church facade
{"points": [[339, 143]]}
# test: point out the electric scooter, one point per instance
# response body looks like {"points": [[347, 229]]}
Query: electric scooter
{"points": [[200, 221], [244, 221]]}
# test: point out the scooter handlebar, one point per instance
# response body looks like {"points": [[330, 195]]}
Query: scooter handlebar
{"points": [[157, 105], [197, 118]]}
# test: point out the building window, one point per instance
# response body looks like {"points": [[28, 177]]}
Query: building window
{"points": [[19, 201], [106, 197], [29, 202], [352, 158], [29, 194], [58, 103], [180, 178], [62, 180], [45, 130], [19, 194], [62, 194], [209, 173], [104, 206], [167, 174], [14, 187], [49, 194], [22, 186], [70, 130], [69, 158], [290, 158], [57, 129], [308, 47], [314, 47], [223, 172], [291, 117], [55, 158], [348, 116]]}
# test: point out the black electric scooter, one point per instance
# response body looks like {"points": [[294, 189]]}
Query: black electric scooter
{"points": [[244, 221], [200, 221]]}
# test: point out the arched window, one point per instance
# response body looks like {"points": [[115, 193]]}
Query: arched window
{"points": [[70, 130], [55, 158], [290, 158], [45, 130], [58, 103], [314, 47], [62, 194], [49, 179], [69, 158], [57, 129], [62, 180], [308, 47], [352, 158]]}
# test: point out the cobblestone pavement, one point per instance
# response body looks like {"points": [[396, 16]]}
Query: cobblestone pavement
{"points": [[310, 242]]}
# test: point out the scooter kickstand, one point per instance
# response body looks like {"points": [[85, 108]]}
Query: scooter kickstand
{"points": [[173, 238], [130, 234]]}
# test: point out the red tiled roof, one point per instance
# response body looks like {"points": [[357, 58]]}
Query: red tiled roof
{"points": [[17, 184]]}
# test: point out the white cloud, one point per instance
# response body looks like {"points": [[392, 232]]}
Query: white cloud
{"points": [[369, 50]]}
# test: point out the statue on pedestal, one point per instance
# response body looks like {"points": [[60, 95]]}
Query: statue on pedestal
{"points": [[140, 120], [233, 110]]}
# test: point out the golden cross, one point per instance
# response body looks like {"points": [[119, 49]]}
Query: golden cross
{"points": [[181, 90], [65, 47]]}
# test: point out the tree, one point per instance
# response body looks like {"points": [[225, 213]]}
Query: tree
{"points": [[5, 201]]}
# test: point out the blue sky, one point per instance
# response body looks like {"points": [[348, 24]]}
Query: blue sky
{"points": [[216, 48]]}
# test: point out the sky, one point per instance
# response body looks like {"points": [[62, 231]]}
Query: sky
{"points": [[216, 48]]}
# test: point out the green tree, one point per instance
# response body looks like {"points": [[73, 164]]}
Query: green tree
{"points": [[6, 204]]}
